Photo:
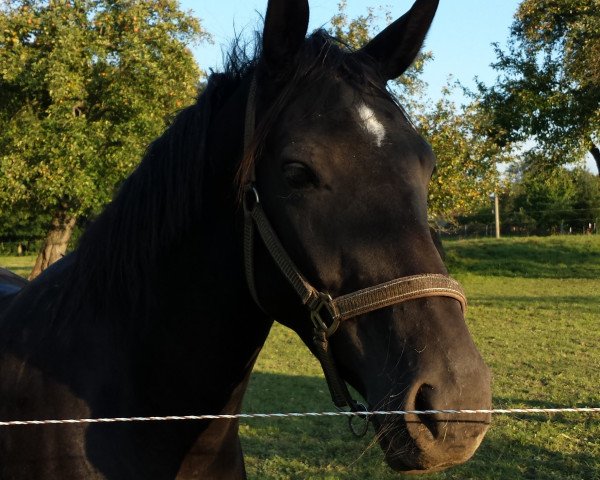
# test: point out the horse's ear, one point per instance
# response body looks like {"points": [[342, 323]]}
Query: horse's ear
{"points": [[285, 28], [398, 45]]}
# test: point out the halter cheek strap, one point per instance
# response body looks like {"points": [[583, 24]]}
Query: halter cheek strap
{"points": [[326, 312]]}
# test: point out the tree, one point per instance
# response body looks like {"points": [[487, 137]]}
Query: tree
{"points": [[549, 91], [466, 172], [552, 200], [84, 86], [540, 199]]}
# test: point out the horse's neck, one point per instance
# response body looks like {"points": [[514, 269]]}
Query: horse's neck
{"points": [[193, 355], [194, 348], [206, 331], [206, 338]]}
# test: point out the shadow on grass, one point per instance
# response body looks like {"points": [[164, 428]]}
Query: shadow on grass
{"points": [[530, 258], [324, 448]]}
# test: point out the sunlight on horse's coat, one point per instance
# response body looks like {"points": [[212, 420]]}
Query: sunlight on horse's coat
{"points": [[371, 124]]}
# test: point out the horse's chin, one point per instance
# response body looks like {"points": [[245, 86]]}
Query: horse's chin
{"points": [[404, 452], [418, 464]]}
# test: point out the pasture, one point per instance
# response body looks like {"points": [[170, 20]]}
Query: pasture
{"points": [[535, 316]]}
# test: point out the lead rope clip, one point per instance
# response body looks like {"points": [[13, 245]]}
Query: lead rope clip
{"points": [[363, 427]]}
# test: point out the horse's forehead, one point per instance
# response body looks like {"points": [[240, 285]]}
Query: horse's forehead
{"points": [[338, 105], [369, 123]]}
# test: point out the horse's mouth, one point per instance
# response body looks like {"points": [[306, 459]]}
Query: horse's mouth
{"points": [[410, 447]]}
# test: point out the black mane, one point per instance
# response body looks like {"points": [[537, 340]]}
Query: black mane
{"points": [[160, 199], [116, 257]]}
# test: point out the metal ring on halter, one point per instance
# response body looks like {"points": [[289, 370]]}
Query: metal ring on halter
{"points": [[251, 198], [359, 407]]}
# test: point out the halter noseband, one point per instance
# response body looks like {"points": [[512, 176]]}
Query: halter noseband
{"points": [[326, 312]]}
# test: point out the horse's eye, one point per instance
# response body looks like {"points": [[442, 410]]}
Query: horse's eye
{"points": [[297, 175]]}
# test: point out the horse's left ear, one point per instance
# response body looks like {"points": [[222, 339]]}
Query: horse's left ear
{"points": [[286, 24], [398, 45]]}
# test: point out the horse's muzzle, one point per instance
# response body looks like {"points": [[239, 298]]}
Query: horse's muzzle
{"points": [[432, 442]]}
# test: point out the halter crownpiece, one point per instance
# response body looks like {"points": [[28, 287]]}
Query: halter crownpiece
{"points": [[326, 312]]}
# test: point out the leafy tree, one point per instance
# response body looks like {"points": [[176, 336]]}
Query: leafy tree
{"points": [[84, 86], [466, 170], [555, 199], [549, 90]]}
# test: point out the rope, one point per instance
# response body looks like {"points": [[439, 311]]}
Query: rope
{"points": [[496, 411]]}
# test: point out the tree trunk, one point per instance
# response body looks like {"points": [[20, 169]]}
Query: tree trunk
{"points": [[56, 242], [595, 151]]}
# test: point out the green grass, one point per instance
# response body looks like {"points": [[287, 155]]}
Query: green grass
{"points": [[535, 315], [19, 265]]}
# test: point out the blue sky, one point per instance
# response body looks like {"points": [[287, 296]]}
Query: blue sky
{"points": [[460, 38]]}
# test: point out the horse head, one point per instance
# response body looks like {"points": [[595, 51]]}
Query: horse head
{"points": [[341, 176]]}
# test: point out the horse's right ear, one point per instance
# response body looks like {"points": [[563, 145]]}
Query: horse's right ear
{"points": [[285, 28]]}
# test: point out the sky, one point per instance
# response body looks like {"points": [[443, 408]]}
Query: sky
{"points": [[460, 37]]}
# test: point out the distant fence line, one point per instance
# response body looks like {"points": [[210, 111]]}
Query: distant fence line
{"points": [[517, 229], [526, 222]]}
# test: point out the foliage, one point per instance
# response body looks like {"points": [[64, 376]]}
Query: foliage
{"points": [[549, 90], [85, 85], [466, 171], [540, 199], [555, 200]]}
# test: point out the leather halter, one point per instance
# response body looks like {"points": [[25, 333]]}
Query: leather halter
{"points": [[326, 312]]}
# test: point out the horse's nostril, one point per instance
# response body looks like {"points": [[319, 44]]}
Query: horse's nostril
{"points": [[423, 401]]}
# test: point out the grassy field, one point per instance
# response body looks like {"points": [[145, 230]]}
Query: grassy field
{"points": [[535, 316], [20, 265]]}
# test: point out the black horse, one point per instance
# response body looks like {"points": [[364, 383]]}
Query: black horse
{"points": [[155, 313]]}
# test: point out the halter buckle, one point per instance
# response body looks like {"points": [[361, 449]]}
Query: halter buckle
{"points": [[324, 303]]}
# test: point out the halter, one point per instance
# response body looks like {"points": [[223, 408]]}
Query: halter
{"points": [[327, 313]]}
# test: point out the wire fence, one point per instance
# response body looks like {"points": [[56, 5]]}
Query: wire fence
{"points": [[526, 222], [245, 416], [512, 228]]}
